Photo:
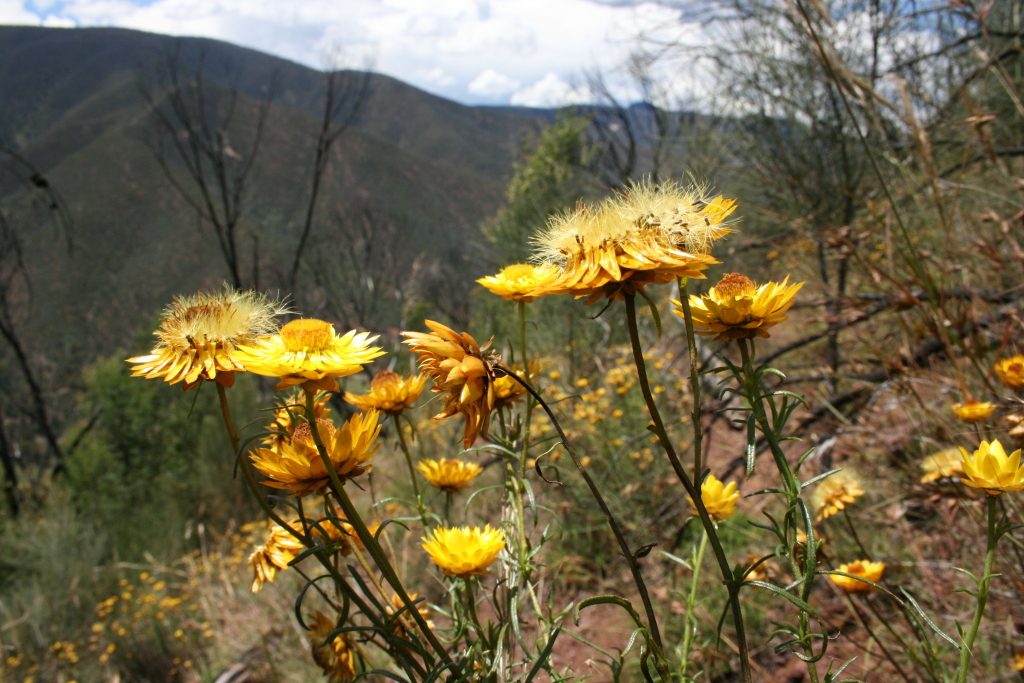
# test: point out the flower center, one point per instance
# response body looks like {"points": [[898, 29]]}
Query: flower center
{"points": [[307, 334], [383, 379], [304, 435], [734, 285], [1016, 368], [857, 568]]}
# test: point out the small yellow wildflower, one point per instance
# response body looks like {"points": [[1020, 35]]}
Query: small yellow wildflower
{"points": [[298, 467], [336, 658], [464, 551], [973, 411], [308, 353], [1011, 371], [521, 281], [834, 493], [872, 571], [719, 498], [449, 475], [992, 470], [390, 393], [736, 308], [942, 465]]}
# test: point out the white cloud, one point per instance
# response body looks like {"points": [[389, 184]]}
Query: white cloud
{"points": [[468, 50], [491, 83], [550, 91], [14, 12]]}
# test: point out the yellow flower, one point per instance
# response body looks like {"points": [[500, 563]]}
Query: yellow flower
{"points": [[834, 493], [1018, 660], [508, 391], [736, 308], [281, 546], [461, 370], [872, 571], [1011, 371], [308, 352], [449, 475], [465, 551], [973, 411], [397, 606], [719, 498], [337, 658], [390, 393], [990, 468], [942, 465], [290, 413], [198, 335], [298, 467], [521, 281], [648, 234]]}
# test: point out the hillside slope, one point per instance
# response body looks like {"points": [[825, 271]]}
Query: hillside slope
{"points": [[70, 103]]}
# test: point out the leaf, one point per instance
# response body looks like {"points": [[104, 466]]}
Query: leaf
{"points": [[376, 534], [644, 550], [608, 600], [862, 580], [803, 606], [751, 444], [819, 477], [921, 613], [654, 311], [542, 657], [677, 559]]}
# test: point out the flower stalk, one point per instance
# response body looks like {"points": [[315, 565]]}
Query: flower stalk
{"points": [[966, 648]]}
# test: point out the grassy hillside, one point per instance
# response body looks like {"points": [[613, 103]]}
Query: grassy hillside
{"points": [[73, 108]]}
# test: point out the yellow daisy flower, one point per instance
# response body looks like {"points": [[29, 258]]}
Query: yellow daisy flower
{"points": [[198, 335], [991, 469], [736, 308], [281, 547], [1018, 660], [298, 467], [290, 413], [872, 571], [464, 551], [308, 353], [648, 234], [973, 411], [337, 658], [1011, 371], [521, 281], [942, 465], [508, 391], [449, 475], [834, 493], [461, 370], [390, 393], [719, 498]]}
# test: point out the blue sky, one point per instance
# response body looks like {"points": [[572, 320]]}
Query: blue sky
{"points": [[525, 52]]}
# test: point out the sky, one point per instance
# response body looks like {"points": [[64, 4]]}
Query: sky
{"points": [[520, 52]]}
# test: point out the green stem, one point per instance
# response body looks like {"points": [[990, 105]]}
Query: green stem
{"points": [[412, 472], [627, 554], [367, 539], [225, 411], [691, 489], [691, 602], [986, 578], [756, 398], [524, 359], [469, 583], [691, 341]]}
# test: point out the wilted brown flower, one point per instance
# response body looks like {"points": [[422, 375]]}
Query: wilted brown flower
{"points": [[337, 658]]}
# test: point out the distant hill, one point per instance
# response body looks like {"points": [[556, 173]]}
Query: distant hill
{"points": [[70, 103]]}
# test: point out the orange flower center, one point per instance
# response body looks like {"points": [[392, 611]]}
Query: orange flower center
{"points": [[383, 379], [304, 435], [734, 284], [857, 568], [306, 334], [1016, 368]]}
